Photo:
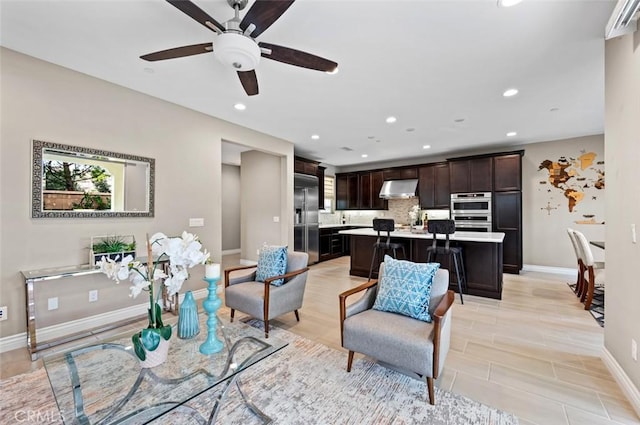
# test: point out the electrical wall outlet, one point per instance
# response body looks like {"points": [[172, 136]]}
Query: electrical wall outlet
{"points": [[52, 303], [93, 295], [634, 350], [3, 313], [276, 219]]}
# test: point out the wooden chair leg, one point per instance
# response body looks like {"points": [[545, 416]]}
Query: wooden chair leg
{"points": [[233, 312], [432, 395], [297, 315], [590, 289], [349, 361], [266, 328]]}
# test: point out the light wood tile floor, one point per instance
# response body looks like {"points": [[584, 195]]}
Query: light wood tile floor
{"points": [[535, 353]]}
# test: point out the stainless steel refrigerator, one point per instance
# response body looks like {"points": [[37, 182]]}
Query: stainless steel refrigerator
{"points": [[305, 203]]}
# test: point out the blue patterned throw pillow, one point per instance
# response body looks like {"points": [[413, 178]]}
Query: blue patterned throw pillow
{"points": [[405, 288], [272, 261]]}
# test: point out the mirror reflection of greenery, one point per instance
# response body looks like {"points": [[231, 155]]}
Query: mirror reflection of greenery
{"points": [[60, 175], [93, 201], [113, 244]]}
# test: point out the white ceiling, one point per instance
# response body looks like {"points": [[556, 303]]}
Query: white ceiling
{"points": [[426, 62]]}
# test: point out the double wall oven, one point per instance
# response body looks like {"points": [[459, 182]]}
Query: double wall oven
{"points": [[471, 211]]}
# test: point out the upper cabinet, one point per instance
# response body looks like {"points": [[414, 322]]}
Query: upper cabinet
{"points": [[507, 172], [471, 175], [305, 166], [359, 191], [400, 173], [312, 168], [433, 185]]}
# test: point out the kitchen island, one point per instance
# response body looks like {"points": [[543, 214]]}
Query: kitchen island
{"points": [[482, 254]]}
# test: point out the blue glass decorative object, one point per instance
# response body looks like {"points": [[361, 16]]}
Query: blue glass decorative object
{"points": [[188, 323], [211, 305]]}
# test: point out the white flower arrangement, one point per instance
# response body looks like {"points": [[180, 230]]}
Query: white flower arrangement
{"points": [[183, 253], [413, 213]]}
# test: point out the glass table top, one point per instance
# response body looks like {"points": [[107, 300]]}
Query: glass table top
{"points": [[104, 383]]}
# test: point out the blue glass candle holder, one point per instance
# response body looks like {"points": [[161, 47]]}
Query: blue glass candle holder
{"points": [[211, 305]]}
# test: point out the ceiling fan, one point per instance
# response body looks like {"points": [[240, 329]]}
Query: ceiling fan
{"points": [[235, 44]]}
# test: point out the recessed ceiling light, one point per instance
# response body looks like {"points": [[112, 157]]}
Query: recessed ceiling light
{"points": [[315, 136], [426, 147], [240, 106], [364, 155], [410, 129], [510, 92], [459, 120], [508, 3], [371, 137], [511, 134], [554, 109], [335, 71], [391, 120]]}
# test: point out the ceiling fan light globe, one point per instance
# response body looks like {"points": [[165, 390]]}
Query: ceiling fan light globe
{"points": [[237, 51]]}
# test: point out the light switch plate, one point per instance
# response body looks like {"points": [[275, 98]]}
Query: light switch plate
{"points": [[4, 313], [52, 303], [196, 222], [276, 219]]}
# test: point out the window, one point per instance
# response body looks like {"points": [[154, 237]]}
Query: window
{"points": [[329, 193]]}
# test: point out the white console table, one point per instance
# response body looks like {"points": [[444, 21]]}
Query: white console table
{"points": [[31, 277]]}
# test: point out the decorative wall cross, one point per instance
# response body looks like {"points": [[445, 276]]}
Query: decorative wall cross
{"points": [[549, 208]]}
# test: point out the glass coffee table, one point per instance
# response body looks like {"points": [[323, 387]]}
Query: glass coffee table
{"points": [[103, 383]]}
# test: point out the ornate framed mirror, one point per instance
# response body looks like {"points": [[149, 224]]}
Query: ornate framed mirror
{"points": [[77, 182]]}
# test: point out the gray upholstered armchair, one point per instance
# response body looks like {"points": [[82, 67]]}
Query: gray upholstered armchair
{"points": [[263, 300], [409, 344]]}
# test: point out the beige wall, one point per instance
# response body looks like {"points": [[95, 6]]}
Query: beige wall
{"points": [[544, 239], [47, 102], [230, 207], [622, 141], [260, 202]]}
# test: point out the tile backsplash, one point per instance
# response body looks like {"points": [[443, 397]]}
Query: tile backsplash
{"points": [[398, 211]]}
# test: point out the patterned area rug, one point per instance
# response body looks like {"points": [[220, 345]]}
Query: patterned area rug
{"points": [[305, 383], [597, 305]]}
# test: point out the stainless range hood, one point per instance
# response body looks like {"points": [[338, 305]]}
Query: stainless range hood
{"points": [[399, 189]]}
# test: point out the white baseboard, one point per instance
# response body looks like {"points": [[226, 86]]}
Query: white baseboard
{"points": [[14, 342], [628, 388], [231, 251], [549, 269]]}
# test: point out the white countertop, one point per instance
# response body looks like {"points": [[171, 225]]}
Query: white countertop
{"points": [[331, 226], [495, 237]]}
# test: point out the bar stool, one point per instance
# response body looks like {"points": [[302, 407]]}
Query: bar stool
{"points": [[447, 227], [382, 247]]}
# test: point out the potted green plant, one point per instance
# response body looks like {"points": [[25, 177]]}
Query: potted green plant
{"points": [[113, 247]]}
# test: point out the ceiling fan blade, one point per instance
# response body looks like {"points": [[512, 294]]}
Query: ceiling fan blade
{"points": [[197, 14], [249, 81], [297, 58], [263, 13], [178, 52]]}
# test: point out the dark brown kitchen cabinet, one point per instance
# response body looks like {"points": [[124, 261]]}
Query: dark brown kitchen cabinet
{"points": [[359, 191], [377, 203], [364, 191], [507, 218], [400, 173], [471, 175], [347, 191], [305, 166], [433, 186], [320, 175], [507, 172]]}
